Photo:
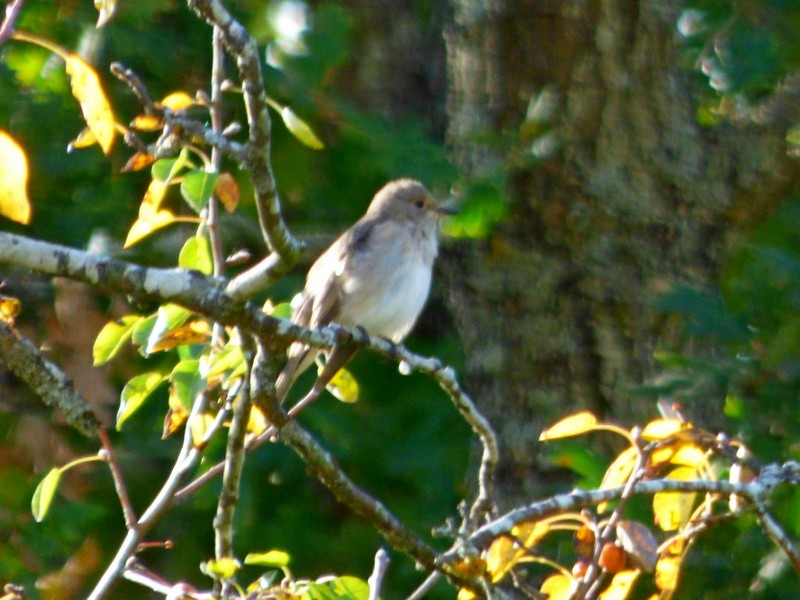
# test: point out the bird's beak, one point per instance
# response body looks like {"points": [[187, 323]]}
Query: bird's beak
{"points": [[447, 210]]}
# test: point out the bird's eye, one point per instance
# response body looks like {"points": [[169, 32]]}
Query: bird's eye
{"points": [[419, 203]]}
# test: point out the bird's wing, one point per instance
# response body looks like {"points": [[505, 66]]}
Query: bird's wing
{"points": [[321, 299]]}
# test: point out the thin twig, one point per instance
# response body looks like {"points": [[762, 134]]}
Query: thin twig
{"points": [[187, 459], [425, 586], [119, 483], [12, 12], [777, 535], [375, 580], [244, 49]]}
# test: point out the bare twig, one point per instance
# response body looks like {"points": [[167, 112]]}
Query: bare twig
{"points": [[119, 483], [234, 461], [187, 460], [285, 248], [375, 580], [425, 586], [45, 379], [12, 12]]}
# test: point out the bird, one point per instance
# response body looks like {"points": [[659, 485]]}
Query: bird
{"points": [[376, 276]]}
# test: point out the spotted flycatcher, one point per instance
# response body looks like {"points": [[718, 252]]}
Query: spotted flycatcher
{"points": [[376, 275]]}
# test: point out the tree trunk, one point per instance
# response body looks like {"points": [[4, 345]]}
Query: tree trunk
{"points": [[556, 308]]}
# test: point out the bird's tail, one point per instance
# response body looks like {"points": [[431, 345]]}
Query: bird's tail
{"points": [[300, 358]]}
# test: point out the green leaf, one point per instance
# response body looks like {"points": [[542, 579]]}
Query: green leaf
{"points": [[338, 588], [141, 332], [135, 392], [281, 311], [168, 317], [300, 129], [197, 187], [186, 381], [272, 558], [43, 495], [196, 255], [112, 337], [230, 358], [166, 169]]}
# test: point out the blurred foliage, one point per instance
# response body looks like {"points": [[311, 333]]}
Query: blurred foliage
{"points": [[81, 198], [744, 48]]}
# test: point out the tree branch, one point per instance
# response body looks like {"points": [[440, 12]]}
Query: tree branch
{"points": [[285, 248], [45, 379]]}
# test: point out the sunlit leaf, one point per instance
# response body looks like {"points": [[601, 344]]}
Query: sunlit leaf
{"points": [[576, 424], [176, 416], [618, 472], [200, 425], [273, 558], [679, 453], [177, 101], [282, 310], [85, 139], [14, 202], [43, 495], [197, 187], [336, 588], [668, 566], [149, 221], [166, 169], [557, 587], [135, 392], [106, 10], [258, 422], [343, 386], [169, 316], [142, 330], [138, 161], [196, 255], [227, 191], [229, 359], [221, 569], [196, 332], [95, 107], [112, 338], [9, 308], [621, 586], [187, 381], [300, 129], [672, 510], [147, 123], [661, 429], [506, 551]]}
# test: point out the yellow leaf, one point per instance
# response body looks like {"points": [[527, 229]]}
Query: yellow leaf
{"points": [[300, 129], [200, 425], [14, 202], [618, 472], [227, 191], [530, 533], [682, 453], [673, 509], [154, 195], [271, 558], [557, 587], [9, 308], [176, 416], [662, 428], [84, 140], [505, 552], [106, 10], [177, 101], [149, 220], [668, 567], [465, 594], [94, 105], [147, 123], [138, 161], [621, 586], [222, 569], [344, 386], [573, 425], [195, 332], [258, 423]]}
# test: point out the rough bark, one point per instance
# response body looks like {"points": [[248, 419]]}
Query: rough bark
{"points": [[555, 308]]}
